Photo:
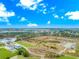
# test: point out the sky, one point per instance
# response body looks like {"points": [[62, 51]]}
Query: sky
{"points": [[39, 13]]}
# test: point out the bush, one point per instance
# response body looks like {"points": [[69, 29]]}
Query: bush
{"points": [[24, 52]]}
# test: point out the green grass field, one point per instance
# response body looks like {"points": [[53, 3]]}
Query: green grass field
{"points": [[1, 44], [34, 58], [67, 57], [4, 53], [26, 44], [21, 57]]}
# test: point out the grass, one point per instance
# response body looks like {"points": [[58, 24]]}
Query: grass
{"points": [[1, 44], [26, 44], [67, 57], [4, 53], [33, 57], [20, 57]]}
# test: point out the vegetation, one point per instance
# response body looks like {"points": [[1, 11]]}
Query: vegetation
{"points": [[20, 57], [26, 36], [24, 43], [77, 50], [23, 52], [33, 57], [66, 57], [47, 41], [1, 44], [5, 54]]}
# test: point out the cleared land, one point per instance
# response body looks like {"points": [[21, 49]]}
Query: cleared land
{"points": [[44, 44]]}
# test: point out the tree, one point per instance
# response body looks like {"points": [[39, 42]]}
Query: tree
{"points": [[22, 51], [8, 58]]}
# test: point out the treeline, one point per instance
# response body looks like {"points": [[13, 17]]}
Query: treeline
{"points": [[66, 34], [30, 34]]}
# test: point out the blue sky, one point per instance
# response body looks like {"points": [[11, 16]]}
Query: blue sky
{"points": [[39, 13]]}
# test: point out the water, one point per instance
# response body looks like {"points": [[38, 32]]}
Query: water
{"points": [[5, 40]]}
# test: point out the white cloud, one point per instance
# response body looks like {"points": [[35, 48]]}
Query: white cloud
{"points": [[42, 5], [4, 20], [33, 5], [55, 16], [48, 22], [53, 8], [23, 19], [62, 17], [2, 8], [43, 8], [4, 14], [73, 15], [32, 25], [44, 11], [9, 23], [30, 4]]}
